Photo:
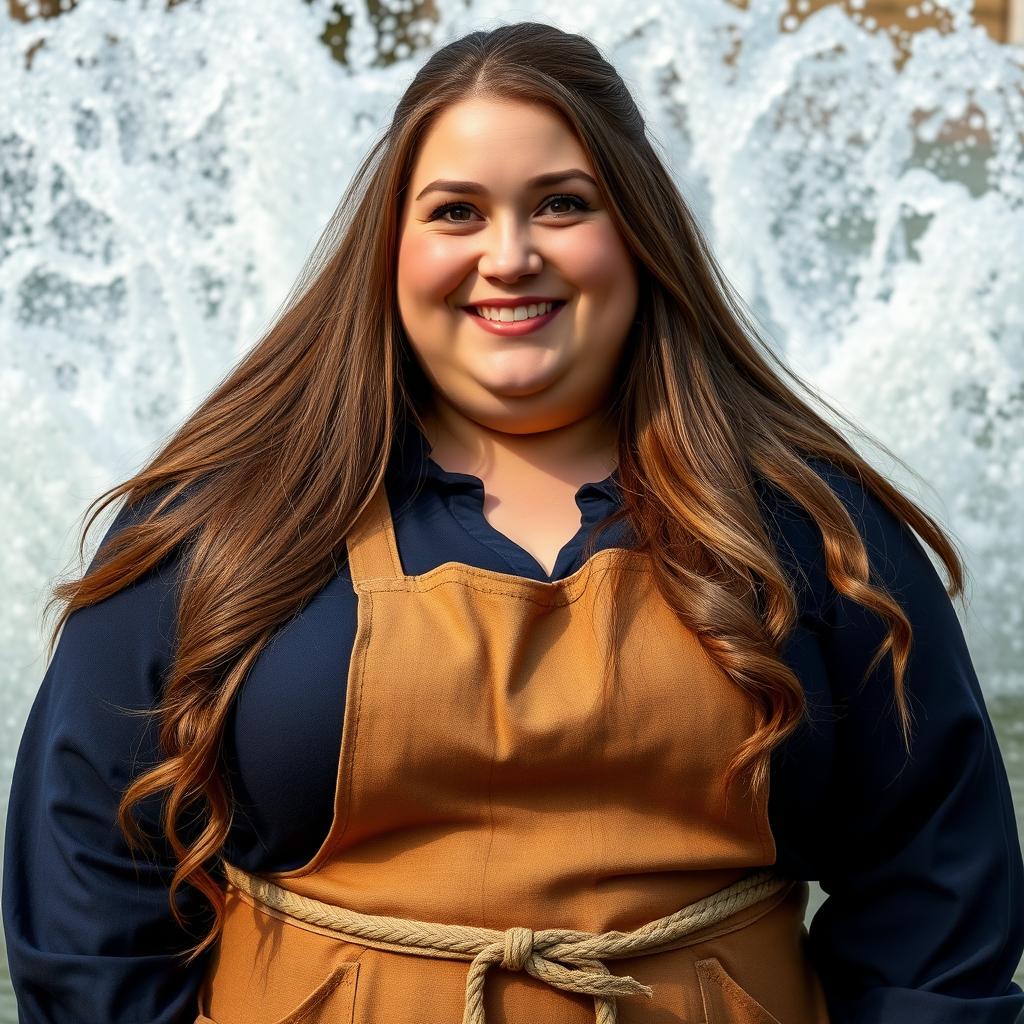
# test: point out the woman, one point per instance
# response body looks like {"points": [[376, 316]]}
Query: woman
{"points": [[443, 641]]}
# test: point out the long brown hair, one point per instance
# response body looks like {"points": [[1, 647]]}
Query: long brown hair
{"points": [[259, 486]]}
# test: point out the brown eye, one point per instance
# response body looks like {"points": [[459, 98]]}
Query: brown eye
{"points": [[578, 204], [445, 208]]}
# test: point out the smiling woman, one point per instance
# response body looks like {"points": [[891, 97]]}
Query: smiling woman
{"points": [[547, 273], [514, 244], [481, 646]]}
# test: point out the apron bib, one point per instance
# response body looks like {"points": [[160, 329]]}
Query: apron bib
{"points": [[504, 770]]}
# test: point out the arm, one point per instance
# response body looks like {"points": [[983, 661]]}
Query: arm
{"points": [[89, 932], [924, 919]]}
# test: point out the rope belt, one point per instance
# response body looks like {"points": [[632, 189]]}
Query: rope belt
{"points": [[539, 953]]}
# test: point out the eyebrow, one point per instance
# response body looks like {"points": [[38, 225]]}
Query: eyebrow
{"points": [[475, 188]]}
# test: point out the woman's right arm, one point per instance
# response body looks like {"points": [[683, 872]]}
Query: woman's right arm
{"points": [[89, 931]]}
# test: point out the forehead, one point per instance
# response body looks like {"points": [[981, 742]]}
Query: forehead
{"points": [[499, 143]]}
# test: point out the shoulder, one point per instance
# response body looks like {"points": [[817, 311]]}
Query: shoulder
{"points": [[116, 650], [895, 554]]}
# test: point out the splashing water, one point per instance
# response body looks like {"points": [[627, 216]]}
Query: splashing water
{"points": [[165, 172]]}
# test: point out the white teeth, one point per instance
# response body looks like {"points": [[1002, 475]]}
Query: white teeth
{"points": [[508, 313]]}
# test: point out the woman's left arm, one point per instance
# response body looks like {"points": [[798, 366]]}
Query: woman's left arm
{"points": [[924, 919]]}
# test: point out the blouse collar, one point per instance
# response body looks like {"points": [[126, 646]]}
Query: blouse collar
{"points": [[412, 465]]}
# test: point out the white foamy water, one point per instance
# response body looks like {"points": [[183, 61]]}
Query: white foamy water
{"points": [[163, 175]]}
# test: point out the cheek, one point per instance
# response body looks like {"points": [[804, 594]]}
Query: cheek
{"points": [[598, 262], [428, 269]]}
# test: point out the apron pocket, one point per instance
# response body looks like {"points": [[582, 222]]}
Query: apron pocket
{"points": [[726, 1001], [333, 1001]]}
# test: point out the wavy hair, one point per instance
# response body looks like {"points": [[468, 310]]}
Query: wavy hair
{"points": [[258, 487]]}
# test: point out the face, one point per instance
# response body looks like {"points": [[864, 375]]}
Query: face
{"points": [[503, 237]]}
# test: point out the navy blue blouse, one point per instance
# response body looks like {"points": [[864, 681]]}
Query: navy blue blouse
{"points": [[920, 861]]}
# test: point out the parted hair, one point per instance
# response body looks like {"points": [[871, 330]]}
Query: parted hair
{"points": [[257, 489]]}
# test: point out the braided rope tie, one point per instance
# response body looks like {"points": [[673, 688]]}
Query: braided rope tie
{"points": [[539, 953]]}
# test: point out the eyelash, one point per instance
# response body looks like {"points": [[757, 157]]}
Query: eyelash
{"points": [[581, 204]]}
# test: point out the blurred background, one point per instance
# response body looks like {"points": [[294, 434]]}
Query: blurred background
{"points": [[165, 168]]}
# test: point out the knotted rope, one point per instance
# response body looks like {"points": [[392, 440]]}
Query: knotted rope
{"points": [[539, 953]]}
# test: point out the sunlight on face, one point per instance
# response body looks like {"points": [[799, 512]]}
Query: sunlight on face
{"points": [[501, 237]]}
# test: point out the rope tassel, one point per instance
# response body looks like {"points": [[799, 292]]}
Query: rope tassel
{"points": [[536, 953]]}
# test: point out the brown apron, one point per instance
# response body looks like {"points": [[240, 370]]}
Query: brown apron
{"points": [[510, 789]]}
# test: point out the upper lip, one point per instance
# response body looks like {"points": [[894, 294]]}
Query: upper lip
{"points": [[520, 300]]}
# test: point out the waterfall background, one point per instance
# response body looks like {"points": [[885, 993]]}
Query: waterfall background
{"points": [[164, 171]]}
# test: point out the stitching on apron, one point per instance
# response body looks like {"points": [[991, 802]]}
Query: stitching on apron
{"points": [[353, 746], [456, 573], [334, 834], [293, 922]]}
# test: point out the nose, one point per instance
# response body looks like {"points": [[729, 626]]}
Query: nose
{"points": [[509, 251]]}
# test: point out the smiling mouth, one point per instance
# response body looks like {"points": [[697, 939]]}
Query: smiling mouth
{"points": [[514, 328], [556, 304]]}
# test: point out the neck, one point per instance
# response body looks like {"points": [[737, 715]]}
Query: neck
{"points": [[585, 448]]}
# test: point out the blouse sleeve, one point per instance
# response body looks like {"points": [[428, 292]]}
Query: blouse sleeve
{"points": [[923, 919], [89, 931]]}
